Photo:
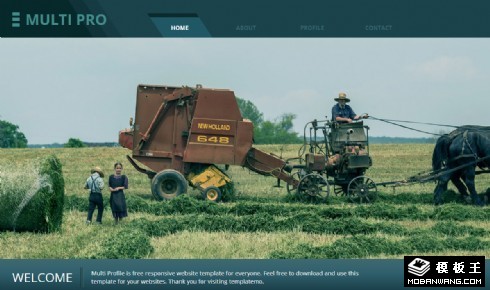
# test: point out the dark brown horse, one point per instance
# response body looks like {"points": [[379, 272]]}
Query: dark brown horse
{"points": [[466, 145]]}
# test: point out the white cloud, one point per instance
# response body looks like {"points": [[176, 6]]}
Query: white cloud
{"points": [[445, 68]]}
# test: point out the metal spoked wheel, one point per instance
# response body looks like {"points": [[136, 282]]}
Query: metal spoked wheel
{"points": [[340, 189], [313, 186], [362, 189]]}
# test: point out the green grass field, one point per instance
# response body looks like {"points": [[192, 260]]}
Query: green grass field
{"points": [[263, 221]]}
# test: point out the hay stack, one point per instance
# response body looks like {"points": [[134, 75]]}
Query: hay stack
{"points": [[32, 196]]}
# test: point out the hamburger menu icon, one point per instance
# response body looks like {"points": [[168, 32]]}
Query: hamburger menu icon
{"points": [[418, 267]]}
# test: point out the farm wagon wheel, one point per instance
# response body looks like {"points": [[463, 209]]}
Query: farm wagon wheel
{"points": [[340, 189], [167, 184], [212, 193], [362, 189], [313, 186]]}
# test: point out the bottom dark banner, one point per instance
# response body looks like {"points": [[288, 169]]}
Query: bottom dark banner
{"points": [[203, 274]]}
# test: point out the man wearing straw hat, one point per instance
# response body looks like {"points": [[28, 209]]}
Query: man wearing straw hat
{"points": [[95, 184], [342, 112]]}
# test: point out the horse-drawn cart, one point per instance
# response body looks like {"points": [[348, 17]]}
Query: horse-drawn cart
{"points": [[338, 154], [334, 154]]}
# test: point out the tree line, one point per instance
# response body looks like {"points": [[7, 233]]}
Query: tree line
{"points": [[279, 131]]}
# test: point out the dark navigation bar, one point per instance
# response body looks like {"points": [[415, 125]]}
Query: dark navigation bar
{"points": [[251, 18]]}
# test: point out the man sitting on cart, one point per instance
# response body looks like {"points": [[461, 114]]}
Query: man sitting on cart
{"points": [[342, 112]]}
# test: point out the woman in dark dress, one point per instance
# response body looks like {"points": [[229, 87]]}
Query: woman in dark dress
{"points": [[117, 184]]}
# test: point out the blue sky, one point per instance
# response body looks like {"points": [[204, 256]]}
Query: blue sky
{"points": [[55, 89]]}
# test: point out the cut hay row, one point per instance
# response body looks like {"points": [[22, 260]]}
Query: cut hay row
{"points": [[189, 205], [261, 223], [305, 222], [127, 243], [32, 195], [371, 246]]}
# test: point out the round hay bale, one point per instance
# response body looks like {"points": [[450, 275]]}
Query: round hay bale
{"points": [[32, 196]]}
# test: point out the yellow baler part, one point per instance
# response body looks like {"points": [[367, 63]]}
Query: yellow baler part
{"points": [[211, 176]]}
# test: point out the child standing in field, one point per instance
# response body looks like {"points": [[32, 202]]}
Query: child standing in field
{"points": [[117, 184], [95, 184]]}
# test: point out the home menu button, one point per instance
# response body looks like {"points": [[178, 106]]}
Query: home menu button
{"points": [[170, 25]]}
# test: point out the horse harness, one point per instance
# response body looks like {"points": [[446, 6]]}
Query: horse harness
{"points": [[473, 153], [465, 141]]}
